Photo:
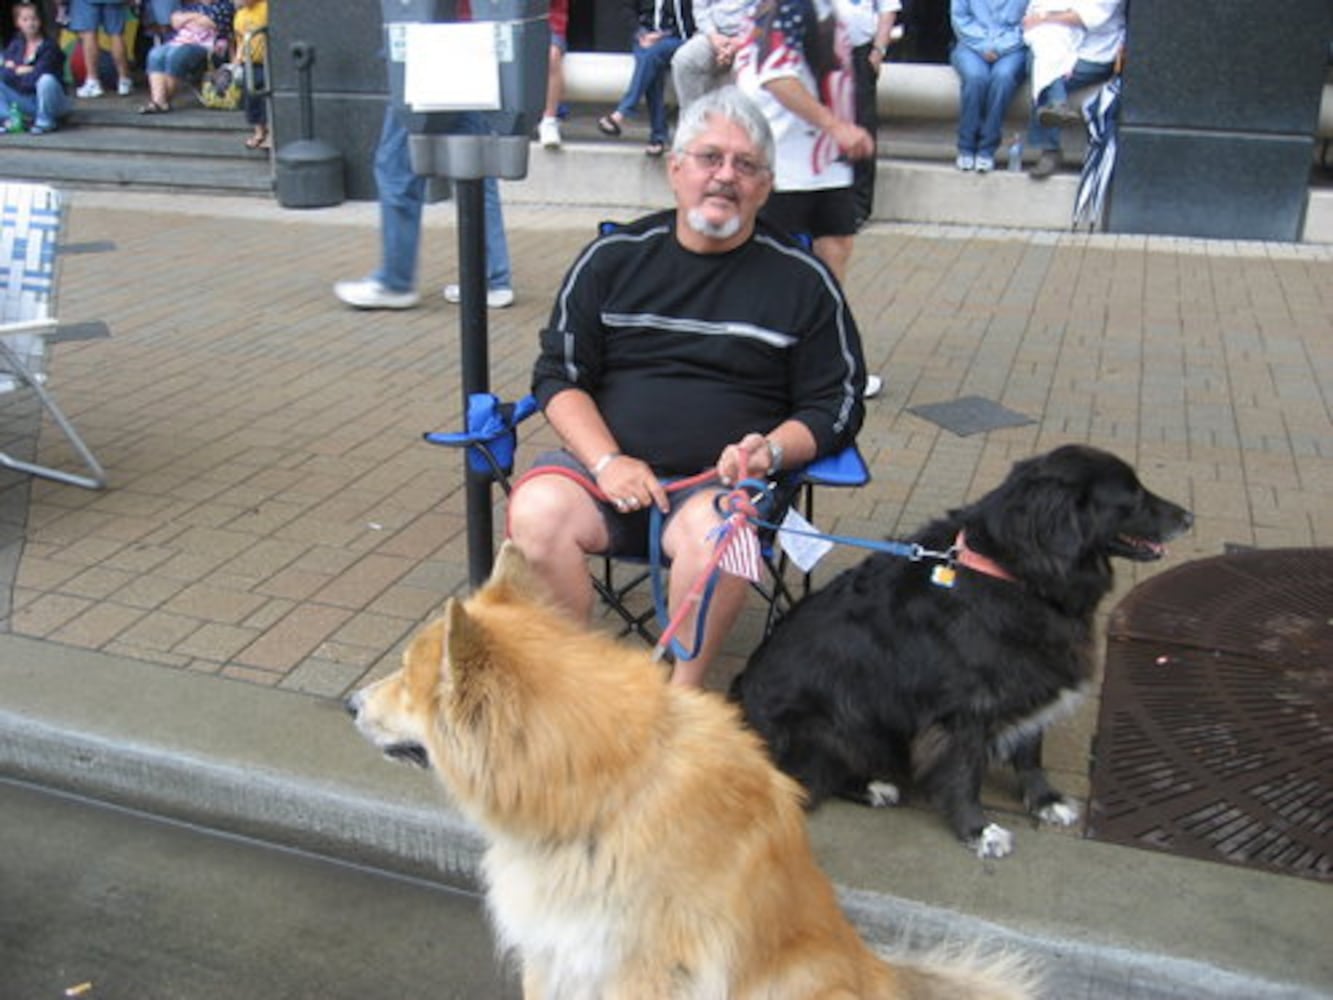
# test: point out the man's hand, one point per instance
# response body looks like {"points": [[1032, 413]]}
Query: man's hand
{"points": [[748, 458], [630, 485]]}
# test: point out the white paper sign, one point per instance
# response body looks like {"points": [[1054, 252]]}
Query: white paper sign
{"points": [[803, 550], [451, 67]]}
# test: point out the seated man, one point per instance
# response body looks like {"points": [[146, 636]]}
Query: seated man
{"points": [[692, 339], [1096, 30]]}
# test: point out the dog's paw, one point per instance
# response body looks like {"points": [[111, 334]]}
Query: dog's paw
{"points": [[995, 842], [882, 794], [1059, 813]]}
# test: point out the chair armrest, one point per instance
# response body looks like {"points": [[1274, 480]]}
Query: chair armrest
{"points": [[842, 468]]}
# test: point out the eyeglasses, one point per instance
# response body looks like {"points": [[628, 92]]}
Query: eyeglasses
{"points": [[712, 160]]}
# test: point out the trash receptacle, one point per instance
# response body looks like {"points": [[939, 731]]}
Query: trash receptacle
{"points": [[309, 171]]}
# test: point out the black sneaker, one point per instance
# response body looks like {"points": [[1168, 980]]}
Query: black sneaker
{"points": [[1047, 163], [1059, 116]]}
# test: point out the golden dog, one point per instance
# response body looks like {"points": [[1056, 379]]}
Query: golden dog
{"points": [[641, 845]]}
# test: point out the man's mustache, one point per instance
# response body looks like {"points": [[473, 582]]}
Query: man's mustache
{"points": [[722, 190]]}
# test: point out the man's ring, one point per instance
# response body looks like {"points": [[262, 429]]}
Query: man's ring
{"points": [[620, 503], [633, 503]]}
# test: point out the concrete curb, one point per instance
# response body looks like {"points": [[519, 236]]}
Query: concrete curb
{"points": [[288, 768]]}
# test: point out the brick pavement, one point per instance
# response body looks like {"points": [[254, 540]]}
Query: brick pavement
{"points": [[274, 516]]}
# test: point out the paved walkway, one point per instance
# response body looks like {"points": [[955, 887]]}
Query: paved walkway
{"points": [[275, 519]]}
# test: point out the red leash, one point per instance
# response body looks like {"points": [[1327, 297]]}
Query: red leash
{"points": [[595, 491]]}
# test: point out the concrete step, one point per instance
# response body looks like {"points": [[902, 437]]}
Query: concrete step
{"points": [[143, 171], [106, 143]]}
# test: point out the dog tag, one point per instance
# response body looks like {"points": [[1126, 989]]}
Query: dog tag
{"points": [[943, 575]]}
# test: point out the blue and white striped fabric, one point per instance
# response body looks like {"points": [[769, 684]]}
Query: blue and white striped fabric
{"points": [[30, 219]]}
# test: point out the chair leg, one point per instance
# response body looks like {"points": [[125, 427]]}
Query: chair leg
{"points": [[97, 480]]}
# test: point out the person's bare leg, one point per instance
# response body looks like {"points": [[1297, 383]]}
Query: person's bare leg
{"points": [[835, 252], [119, 57], [555, 523], [555, 82], [686, 541], [92, 55]]}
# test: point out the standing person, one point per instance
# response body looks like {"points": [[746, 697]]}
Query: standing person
{"points": [[705, 315], [706, 59], [548, 129], [991, 61], [1100, 25], [402, 197], [251, 47], [869, 26], [796, 66], [85, 17], [31, 78], [663, 26]]}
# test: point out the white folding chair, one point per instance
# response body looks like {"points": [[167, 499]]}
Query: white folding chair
{"points": [[31, 223]]}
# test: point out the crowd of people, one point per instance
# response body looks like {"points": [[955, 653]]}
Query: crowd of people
{"points": [[179, 41]]}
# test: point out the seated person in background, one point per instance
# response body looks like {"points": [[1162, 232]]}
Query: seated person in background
{"points": [[195, 27], [991, 62], [31, 77], [692, 339], [85, 18], [704, 62], [663, 26], [1096, 35]]}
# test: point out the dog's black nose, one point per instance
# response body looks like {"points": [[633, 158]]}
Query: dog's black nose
{"points": [[350, 706]]}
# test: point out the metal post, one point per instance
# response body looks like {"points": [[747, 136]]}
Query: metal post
{"points": [[475, 363]]}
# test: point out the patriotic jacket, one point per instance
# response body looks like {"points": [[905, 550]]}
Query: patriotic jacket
{"points": [[804, 40]]}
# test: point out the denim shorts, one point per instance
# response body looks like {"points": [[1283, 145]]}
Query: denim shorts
{"points": [[180, 61], [628, 531], [85, 15]]}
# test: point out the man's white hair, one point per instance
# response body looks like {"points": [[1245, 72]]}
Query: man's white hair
{"points": [[729, 103]]}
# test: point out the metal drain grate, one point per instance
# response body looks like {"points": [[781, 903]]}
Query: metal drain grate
{"points": [[1215, 739]]}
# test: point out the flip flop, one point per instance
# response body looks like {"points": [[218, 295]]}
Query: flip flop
{"points": [[608, 125], [152, 108], [654, 149], [255, 142]]}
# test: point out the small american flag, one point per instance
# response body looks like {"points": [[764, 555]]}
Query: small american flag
{"points": [[741, 556]]}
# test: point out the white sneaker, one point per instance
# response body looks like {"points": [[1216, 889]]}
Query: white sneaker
{"points": [[496, 298], [367, 293], [548, 133], [965, 161], [91, 88], [874, 386], [124, 86], [985, 164]]}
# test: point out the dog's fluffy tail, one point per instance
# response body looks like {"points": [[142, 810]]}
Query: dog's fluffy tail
{"points": [[951, 973]]}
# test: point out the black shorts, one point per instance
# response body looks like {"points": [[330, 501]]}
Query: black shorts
{"points": [[826, 212], [628, 531]]}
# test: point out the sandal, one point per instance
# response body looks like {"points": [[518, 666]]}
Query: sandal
{"points": [[608, 125], [153, 108], [654, 149], [257, 142]]}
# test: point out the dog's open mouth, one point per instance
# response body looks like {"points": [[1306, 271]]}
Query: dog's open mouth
{"points": [[410, 753], [1137, 548]]}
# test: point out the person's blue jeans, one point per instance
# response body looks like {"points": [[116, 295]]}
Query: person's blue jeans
{"points": [[986, 91], [176, 59], [652, 64], [44, 107], [1085, 74], [402, 198]]}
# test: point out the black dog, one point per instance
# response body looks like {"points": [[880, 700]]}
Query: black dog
{"points": [[888, 676]]}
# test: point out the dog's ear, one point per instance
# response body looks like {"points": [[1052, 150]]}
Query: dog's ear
{"points": [[513, 574], [465, 648]]}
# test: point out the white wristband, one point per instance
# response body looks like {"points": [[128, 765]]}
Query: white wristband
{"points": [[774, 456], [599, 466]]}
